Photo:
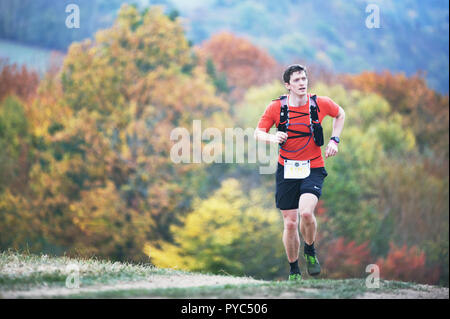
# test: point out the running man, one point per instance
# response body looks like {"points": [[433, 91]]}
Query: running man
{"points": [[301, 167]]}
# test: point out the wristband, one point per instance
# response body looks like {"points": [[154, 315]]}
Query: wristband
{"points": [[335, 139]]}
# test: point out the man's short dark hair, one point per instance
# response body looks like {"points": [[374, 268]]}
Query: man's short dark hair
{"points": [[292, 69]]}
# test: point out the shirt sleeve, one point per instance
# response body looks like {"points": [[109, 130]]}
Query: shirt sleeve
{"points": [[328, 106], [268, 118]]}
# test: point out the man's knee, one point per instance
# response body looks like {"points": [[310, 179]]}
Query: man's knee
{"points": [[290, 220], [290, 224], [307, 216]]}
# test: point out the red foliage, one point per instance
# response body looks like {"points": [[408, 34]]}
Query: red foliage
{"points": [[345, 260], [406, 264], [17, 81]]}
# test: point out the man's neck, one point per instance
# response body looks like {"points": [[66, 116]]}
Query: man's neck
{"points": [[297, 100]]}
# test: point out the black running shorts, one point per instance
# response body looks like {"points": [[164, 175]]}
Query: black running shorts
{"points": [[288, 191]]}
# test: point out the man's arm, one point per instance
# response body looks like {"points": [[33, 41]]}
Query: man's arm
{"points": [[265, 123], [261, 135], [338, 125]]}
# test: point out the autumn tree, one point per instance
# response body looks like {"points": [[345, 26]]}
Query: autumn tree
{"points": [[407, 264], [423, 109], [226, 232], [15, 80], [414, 191], [104, 183], [15, 144], [244, 64], [344, 259], [17, 89]]}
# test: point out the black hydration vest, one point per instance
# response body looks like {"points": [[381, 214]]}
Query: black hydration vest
{"points": [[315, 128]]}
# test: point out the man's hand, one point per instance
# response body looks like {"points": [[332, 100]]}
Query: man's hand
{"points": [[332, 149], [279, 137]]}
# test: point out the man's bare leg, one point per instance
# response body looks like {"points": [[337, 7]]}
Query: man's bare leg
{"points": [[308, 223], [308, 228], [291, 238]]}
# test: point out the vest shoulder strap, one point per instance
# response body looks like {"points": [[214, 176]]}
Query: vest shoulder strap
{"points": [[315, 104], [284, 114], [314, 109]]}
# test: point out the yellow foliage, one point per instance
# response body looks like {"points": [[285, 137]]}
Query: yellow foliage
{"points": [[222, 232]]}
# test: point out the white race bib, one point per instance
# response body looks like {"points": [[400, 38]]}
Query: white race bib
{"points": [[296, 169]]}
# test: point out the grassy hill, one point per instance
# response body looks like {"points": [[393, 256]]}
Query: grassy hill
{"points": [[33, 276]]}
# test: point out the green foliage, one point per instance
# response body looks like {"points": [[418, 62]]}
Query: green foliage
{"points": [[14, 140], [13, 123], [219, 79], [256, 99]]}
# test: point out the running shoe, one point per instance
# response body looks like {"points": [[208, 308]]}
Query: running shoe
{"points": [[312, 265], [295, 277]]}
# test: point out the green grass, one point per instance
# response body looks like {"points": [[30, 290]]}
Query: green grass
{"points": [[309, 288], [22, 272]]}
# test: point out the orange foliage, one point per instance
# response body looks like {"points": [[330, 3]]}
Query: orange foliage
{"points": [[404, 93], [17, 81], [423, 109], [406, 264], [345, 260], [244, 64]]}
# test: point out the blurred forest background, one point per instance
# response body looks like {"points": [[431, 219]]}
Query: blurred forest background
{"points": [[86, 116]]}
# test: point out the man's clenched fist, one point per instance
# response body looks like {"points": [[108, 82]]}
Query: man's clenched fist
{"points": [[280, 137], [331, 150]]}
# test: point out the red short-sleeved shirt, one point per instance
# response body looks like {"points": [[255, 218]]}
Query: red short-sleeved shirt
{"points": [[271, 116]]}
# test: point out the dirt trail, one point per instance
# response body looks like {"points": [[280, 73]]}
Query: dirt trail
{"points": [[154, 282], [198, 280], [428, 292]]}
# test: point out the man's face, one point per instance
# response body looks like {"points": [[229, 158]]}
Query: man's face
{"points": [[298, 83]]}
